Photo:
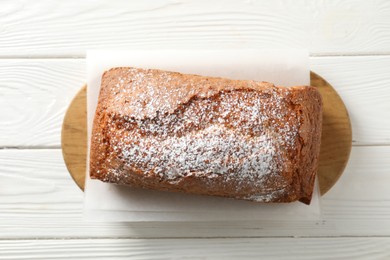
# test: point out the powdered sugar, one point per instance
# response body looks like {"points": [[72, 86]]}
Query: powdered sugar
{"points": [[215, 149], [237, 132]]}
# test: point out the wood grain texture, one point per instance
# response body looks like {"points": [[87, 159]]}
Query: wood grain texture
{"points": [[363, 83], [336, 138], [271, 248], [38, 199], [74, 137], [67, 28], [34, 95]]}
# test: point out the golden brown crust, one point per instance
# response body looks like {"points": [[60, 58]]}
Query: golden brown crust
{"points": [[212, 136], [310, 103]]}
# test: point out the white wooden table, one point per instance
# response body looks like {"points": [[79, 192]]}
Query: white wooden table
{"points": [[42, 66]]}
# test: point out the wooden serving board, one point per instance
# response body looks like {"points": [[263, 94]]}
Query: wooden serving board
{"points": [[336, 138]]}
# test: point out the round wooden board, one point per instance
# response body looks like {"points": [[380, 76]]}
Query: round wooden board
{"points": [[336, 138]]}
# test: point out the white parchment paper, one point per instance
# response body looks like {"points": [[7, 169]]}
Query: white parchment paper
{"points": [[110, 202]]}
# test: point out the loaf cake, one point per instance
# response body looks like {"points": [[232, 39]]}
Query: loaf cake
{"points": [[177, 132]]}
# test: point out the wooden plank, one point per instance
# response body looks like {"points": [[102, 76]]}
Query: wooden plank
{"points": [[258, 248], [46, 29], [34, 95], [364, 85], [38, 199]]}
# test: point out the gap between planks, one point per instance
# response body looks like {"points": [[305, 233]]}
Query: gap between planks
{"points": [[81, 57], [189, 238]]}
